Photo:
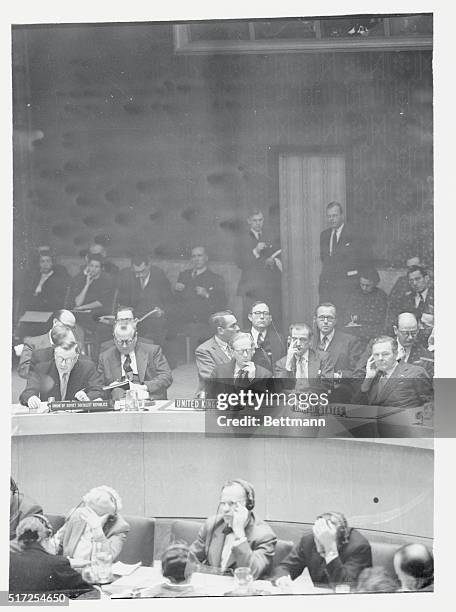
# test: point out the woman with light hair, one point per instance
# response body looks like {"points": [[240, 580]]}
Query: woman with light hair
{"points": [[34, 568], [95, 519]]}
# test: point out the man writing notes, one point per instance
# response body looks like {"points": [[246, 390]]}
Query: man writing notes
{"points": [[333, 552], [235, 537], [142, 364], [66, 377]]}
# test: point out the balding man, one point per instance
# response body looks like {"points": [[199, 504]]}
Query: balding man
{"points": [[140, 363], [302, 368], [60, 318], [392, 382], [414, 566]]}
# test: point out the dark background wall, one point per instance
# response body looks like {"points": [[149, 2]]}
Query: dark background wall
{"points": [[163, 151]]}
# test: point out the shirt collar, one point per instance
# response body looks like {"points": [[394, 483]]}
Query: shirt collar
{"points": [[222, 344], [329, 336], [198, 272], [255, 333]]}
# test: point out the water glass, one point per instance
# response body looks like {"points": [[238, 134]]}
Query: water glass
{"points": [[131, 401], [244, 579]]}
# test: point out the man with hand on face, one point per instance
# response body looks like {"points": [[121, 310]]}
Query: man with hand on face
{"points": [[235, 537], [333, 552], [302, 368], [92, 288], [269, 345], [142, 364], [393, 383], [65, 377]]}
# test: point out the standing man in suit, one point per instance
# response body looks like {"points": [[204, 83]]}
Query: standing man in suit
{"points": [[333, 552], [260, 269], [235, 537], [142, 364], [199, 293], [241, 372], [340, 254], [302, 369], [216, 350], [389, 382], [269, 344], [146, 288], [65, 377]]}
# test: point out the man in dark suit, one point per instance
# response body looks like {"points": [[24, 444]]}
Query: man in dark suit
{"points": [[260, 266], [45, 288], [136, 362], [340, 254], [66, 377], [146, 289], [217, 350], [393, 383], [241, 373], [420, 298], [302, 369], [334, 554], [269, 344], [235, 537], [400, 288]]}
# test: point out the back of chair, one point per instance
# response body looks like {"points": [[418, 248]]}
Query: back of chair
{"points": [[283, 548], [383, 554], [185, 531], [139, 545], [56, 521]]}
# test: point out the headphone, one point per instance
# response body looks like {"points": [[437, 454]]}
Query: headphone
{"points": [[45, 522], [248, 490]]}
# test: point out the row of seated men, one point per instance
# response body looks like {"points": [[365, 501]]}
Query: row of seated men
{"points": [[333, 552], [259, 359], [365, 310]]}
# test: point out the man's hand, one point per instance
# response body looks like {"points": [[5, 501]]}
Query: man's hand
{"points": [[240, 518], [34, 402], [269, 262], [285, 584], [292, 353], [93, 520], [179, 286], [75, 563], [259, 247], [118, 394], [326, 534], [371, 368], [82, 396], [201, 291]]}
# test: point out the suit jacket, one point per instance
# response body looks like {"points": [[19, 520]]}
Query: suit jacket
{"points": [[353, 557], [257, 552], [407, 304], [257, 280], [344, 351], [222, 380], [36, 571], [320, 371], [53, 291], [208, 355], [271, 351], [32, 343], [44, 381], [419, 356], [156, 293], [101, 290], [195, 308], [347, 257], [408, 387], [153, 369]]}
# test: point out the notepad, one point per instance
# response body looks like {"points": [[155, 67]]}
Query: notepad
{"points": [[124, 569], [35, 316]]}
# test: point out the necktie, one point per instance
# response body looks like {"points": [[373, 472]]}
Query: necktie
{"points": [[323, 343], [63, 386], [420, 307], [242, 377], [260, 341], [226, 530], [333, 244], [382, 381], [127, 365]]}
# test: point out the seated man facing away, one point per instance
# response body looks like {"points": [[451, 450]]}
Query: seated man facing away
{"points": [[20, 506], [35, 568], [95, 519], [393, 382], [302, 368], [60, 318], [234, 537], [241, 372], [376, 580], [142, 364], [333, 552], [414, 566], [67, 376], [176, 566], [216, 350]]}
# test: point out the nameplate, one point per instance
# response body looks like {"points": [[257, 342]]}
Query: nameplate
{"points": [[77, 406]]}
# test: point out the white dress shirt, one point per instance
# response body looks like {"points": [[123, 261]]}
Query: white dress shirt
{"points": [[419, 295], [255, 334], [133, 364]]}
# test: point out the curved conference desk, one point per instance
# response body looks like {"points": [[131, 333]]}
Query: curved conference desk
{"points": [[163, 465]]}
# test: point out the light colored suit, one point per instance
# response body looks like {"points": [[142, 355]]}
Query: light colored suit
{"points": [[32, 343], [208, 356], [153, 369]]}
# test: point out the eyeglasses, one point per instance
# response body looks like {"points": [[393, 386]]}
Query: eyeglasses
{"points": [[245, 351], [326, 318], [261, 313], [63, 360]]}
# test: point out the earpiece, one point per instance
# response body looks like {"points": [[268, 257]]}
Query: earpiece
{"points": [[249, 491], [46, 523]]}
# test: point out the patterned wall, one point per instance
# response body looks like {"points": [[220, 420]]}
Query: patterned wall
{"points": [[164, 150]]}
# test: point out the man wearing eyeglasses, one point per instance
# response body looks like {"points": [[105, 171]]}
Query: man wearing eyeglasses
{"points": [[68, 376], [343, 349], [140, 363], [269, 345]]}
